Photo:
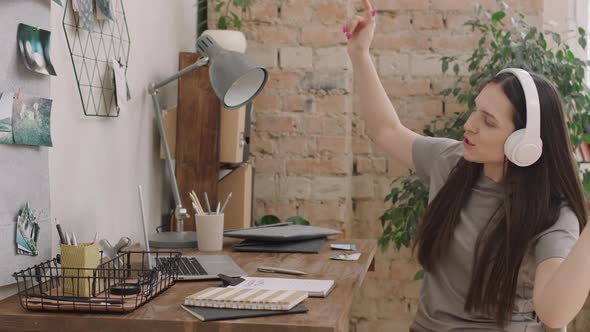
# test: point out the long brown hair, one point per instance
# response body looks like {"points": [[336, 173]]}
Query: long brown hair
{"points": [[532, 198]]}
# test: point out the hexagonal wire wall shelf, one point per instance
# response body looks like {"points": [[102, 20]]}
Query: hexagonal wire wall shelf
{"points": [[91, 52]]}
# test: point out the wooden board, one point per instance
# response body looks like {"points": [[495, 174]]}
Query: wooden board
{"points": [[197, 136]]}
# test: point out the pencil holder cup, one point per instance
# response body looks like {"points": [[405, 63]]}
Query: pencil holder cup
{"points": [[209, 231], [78, 264]]}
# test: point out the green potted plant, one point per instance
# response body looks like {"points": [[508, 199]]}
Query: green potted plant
{"points": [[270, 219], [500, 46], [229, 14]]}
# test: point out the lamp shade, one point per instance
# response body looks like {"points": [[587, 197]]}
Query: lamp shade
{"points": [[236, 79]]}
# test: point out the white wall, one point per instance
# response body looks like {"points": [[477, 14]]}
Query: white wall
{"points": [[96, 163], [564, 17]]}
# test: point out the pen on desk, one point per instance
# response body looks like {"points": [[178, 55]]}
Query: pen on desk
{"points": [[60, 233], [279, 270], [217, 209], [226, 201], [207, 201], [74, 242], [67, 239], [95, 237]]}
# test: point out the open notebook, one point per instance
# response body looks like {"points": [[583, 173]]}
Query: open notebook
{"points": [[314, 287], [246, 298]]}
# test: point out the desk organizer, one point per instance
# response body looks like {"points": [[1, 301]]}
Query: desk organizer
{"points": [[119, 285], [86, 256]]}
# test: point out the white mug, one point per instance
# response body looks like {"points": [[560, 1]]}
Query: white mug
{"points": [[209, 231]]}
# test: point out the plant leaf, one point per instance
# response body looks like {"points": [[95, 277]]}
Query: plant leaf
{"points": [[445, 65], [298, 221], [556, 38], [267, 220], [221, 23], [498, 16], [419, 275]]}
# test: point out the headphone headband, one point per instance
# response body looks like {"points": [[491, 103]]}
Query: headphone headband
{"points": [[533, 107]]}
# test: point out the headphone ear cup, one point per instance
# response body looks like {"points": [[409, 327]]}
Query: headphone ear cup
{"points": [[511, 145], [520, 151]]}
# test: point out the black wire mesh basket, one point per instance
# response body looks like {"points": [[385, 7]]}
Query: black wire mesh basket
{"points": [[119, 285]]}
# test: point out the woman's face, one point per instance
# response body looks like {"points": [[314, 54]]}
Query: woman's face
{"points": [[488, 127]]}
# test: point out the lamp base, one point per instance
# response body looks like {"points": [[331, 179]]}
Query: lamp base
{"points": [[173, 240]]}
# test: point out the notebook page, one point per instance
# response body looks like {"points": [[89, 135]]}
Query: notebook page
{"points": [[315, 287]]}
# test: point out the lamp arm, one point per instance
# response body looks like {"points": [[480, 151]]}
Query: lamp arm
{"points": [[199, 63], [179, 212]]}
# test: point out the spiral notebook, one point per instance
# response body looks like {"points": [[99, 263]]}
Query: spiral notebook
{"points": [[246, 298]]}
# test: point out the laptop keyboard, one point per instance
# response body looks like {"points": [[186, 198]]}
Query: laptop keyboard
{"points": [[186, 265]]}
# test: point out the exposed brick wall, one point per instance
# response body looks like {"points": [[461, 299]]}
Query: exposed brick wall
{"points": [[312, 154], [302, 122]]}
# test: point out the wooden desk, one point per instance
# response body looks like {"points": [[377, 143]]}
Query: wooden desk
{"points": [[164, 313]]}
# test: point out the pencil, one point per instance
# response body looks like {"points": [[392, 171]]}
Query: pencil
{"points": [[207, 202], [196, 201], [226, 201], [196, 209]]}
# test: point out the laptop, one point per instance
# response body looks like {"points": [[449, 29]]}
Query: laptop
{"points": [[198, 267], [202, 267]]}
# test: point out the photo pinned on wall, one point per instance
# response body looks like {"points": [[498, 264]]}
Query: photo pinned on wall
{"points": [[6, 101], [33, 45], [105, 10], [27, 232], [120, 87], [58, 2], [85, 9], [31, 120]]}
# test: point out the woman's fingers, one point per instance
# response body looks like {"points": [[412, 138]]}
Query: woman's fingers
{"points": [[359, 22], [369, 10], [351, 25]]}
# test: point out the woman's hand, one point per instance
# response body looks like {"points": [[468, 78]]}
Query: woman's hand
{"points": [[359, 31]]}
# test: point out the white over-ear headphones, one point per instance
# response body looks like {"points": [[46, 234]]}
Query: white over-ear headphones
{"points": [[524, 146]]}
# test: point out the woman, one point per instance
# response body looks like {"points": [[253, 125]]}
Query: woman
{"points": [[500, 240]]}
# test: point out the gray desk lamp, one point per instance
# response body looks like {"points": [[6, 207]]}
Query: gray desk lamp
{"points": [[236, 80]]}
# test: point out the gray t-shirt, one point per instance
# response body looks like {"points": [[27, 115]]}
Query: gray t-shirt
{"points": [[444, 291]]}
